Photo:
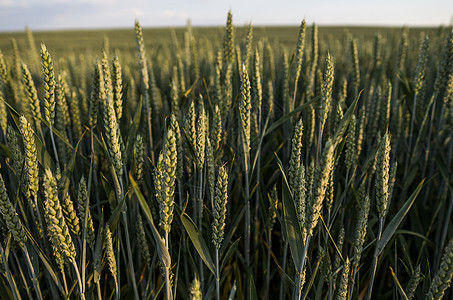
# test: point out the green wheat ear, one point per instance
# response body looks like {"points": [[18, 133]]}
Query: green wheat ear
{"points": [[228, 41], [201, 135], [110, 253], [256, 85], [84, 211], [360, 232], [245, 106], [272, 210], [3, 113], [75, 113], [355, 64], [195, 289], [31, 172], [344, 281], [219, 211], [10, 216], [31, 158], [300, 49], [445, 66], [112, 133], [300, 197], [144, 78], [247, 52], [441, 282], [174, 124], [164, 180], [382, 176], [49, 85], [142, 243], [174, 94], [419, 78], [320, 184], [117, 83], [57, 228], [17, 156], [216, 134], [190, 125], [70, 214], [97, 96], [296, 148], [326, 92], [32, 94], [413, 283], [139, 151]]}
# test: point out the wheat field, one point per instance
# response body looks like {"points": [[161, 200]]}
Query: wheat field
{"points": [[227, 163]]}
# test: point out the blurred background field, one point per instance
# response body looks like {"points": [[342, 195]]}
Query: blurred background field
{"points": [[62, 42]]}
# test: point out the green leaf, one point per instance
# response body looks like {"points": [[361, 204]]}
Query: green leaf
{"points": [[252, 289], [233, 227], [116, 182], [406, 85], [61, 136], [398, 284], [8, 273], [45, 261], [186, 93], [334, 243], [108, 190], [286, 117], [5, 150], [115, 216], [312, 277], [65, 179], [396, 221], [343, 125], [238, 289], [189, 145], [290, 220], [229, 252], [417, 149], [4, 289], [133, 128], [198, 241], [411, 175], [162, 251], [419, 235]]}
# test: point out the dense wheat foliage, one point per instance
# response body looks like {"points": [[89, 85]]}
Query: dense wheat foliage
{"points": [[270, 164]]}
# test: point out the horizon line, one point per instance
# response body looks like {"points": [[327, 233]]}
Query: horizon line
{"points": [[95, 28]]}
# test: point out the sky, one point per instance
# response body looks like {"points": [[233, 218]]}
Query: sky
{"points": [[84, 14]]}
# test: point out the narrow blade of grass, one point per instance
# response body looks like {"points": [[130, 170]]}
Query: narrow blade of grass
{"points": [[252, 289], [291, 222], [289, 115], [133, 128], [396, 221], [198, 241], [398, 284], [229, 252], [162, 251]]}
